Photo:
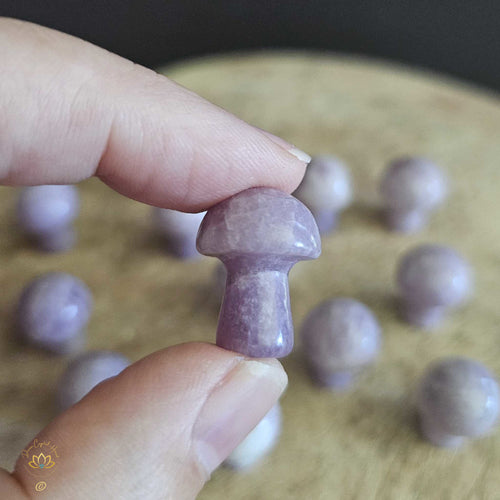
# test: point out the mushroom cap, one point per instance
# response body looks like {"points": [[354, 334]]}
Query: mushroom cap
{"points": [[340, 334], [260, 221], [176, 225], [413, 184], [326, 185], [259, 442], [53, 309], [43, 209], [434, 275], [459, 396], [85, 372]]}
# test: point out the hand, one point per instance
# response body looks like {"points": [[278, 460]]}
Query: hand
{"points": [[68, 111]]}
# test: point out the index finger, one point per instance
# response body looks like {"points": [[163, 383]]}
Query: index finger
{"points": [[70, 110]]}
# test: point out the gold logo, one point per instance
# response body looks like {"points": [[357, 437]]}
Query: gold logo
{"points": [[41, 462], [40, 486], [40, 459]]}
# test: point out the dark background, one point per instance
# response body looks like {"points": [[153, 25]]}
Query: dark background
{"points": [[458, 37]]}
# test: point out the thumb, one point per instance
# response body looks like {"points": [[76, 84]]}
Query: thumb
{"points": [[159, 428]]}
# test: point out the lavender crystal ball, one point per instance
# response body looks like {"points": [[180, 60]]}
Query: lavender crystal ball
{"points": [[432, 279], [259, 234], [179, 231], [46, 213], [340, 337], [411, 189], [53, 311], [326, 190], [258, 443], [458, 398], [85, 372]]}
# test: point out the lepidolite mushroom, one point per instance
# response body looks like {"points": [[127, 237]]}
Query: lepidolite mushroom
{"points": [[412, 188], [53, 311], [432, 280], [340, 337], [326, 190], [259, 234], [458, 398], [46, 214], [179, 230]]}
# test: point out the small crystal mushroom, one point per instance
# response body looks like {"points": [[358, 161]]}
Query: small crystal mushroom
{"points": [[86, 371], [411, 189], [258, 443], [179, 230], [259, 234], [340, 337], [326, 190], [457, 399], [53, 311], [432, 279], [46, 213]]}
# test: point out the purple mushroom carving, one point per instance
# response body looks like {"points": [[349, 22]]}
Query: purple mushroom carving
{"points": [[259, 234], [457, 399], [326, 190], [411, 189], [179, 230], [46, 213], [432, 279], [53, 311], [340, 337]]}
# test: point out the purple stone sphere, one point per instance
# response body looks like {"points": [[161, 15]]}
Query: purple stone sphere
{"points": [[457, 398], [340, 337], [432, 279], [326, 190], [259, 234], [85, 372], [259, 442], [46, 213], [53, 311], [179, 230], [411, 188]]}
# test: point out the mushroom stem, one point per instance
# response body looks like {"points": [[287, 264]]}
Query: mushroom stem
{"points": [[255, 317], [65, 346], [184, 248], [437, 437], [426, 317], [338, 381], [406, 221], [59, 240]]}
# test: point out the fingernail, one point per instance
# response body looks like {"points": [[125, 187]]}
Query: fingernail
{"points": [[235, 407], [290, 148], [300, 155]]}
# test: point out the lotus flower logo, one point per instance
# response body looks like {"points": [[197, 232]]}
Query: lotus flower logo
{"points": [[41, 462], [40, 459]]}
